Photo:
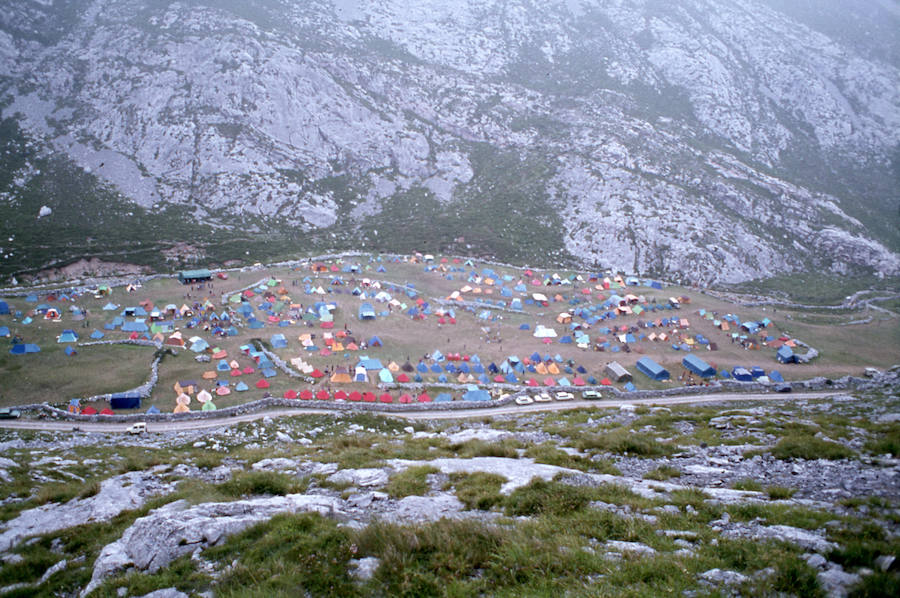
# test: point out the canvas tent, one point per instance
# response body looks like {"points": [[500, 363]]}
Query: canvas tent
{"points": [[698, 366], [651, 369], [617, 372]]}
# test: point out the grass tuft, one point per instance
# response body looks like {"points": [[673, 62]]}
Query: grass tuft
{"points": [[248, 483], [412, 481], [540, 497], [478, 490], [663, 473]]}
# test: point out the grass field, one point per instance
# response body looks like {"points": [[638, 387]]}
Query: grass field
{"points": [[55, 377]]}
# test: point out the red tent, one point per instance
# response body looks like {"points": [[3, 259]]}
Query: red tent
{"points": [[548, 381], [355, 396], [306, 394], [369, 397], [248, 370], [326, 325], [386, 398], [106, 411], [89, 411], [263, 383], [547, 341], [323, 395], [340, 396], [236, 373], [402, 378], [290, 394], [579, 381], [531, 382], [606, 382], [405, 399], [316, 373], [499, 378], [423, 398]]}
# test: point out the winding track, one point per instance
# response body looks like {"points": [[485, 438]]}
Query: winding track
{"points": [[179, 426]]}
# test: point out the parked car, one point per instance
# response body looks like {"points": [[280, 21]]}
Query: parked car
{"points": [[543, 397], [524, 400], [783, 387], [138, 428], [7, 413], [591, 395], [564, 396]]}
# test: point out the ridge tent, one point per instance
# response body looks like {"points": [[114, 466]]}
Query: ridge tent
{"points": [[616, 371], [741, 374], [651, 369], [698, 366]]}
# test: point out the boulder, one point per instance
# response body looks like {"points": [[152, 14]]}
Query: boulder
{"points": [[176, 529], [360, 477], [121, 493]]}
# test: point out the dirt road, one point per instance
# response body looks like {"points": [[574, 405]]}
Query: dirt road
{"points": [[178, 426]]}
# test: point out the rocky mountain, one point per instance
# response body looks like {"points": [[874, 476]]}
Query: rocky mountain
{"points": [[709, 140]]}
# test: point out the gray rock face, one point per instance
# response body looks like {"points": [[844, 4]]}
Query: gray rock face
{"points": [[117, 494], [425, 508], [723, 577], [666, 137], [177, 529], [807, 539], [360, 477]]}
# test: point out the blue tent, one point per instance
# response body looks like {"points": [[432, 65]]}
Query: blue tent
{"points": [[785, 355], [775, 376], [442, 378], [443, 397], [67, 336], [241, 387], [153, 410], [385, 376], [757, 372], [223, 366], [476, 394], [741, 374], [422, 368], [134, 327], [4, 308], [651, 369], [366, 311], [630, 387], [435, 368], [4, 331], [375, 342], [278, 341], [698, 366], [125, 400], [269, 372], [70, 350], [22, 348]]}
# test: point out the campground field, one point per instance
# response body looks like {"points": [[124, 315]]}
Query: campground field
{"points": [[427, 312]]}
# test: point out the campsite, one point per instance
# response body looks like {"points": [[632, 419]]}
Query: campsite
{"points": [[398, 329]]}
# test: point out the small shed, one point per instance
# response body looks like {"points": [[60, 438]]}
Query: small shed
{"points": [[616, 371], [191, 276]]}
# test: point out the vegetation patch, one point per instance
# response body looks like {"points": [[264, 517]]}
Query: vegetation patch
{"points": [[663, 473], [289, 555], [411, 481], [780, 492], [625, 442], [478, 490], [249, 483], [804, 446], [541, 497]]}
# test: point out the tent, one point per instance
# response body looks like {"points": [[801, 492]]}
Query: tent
{"points": [[23, 348], [785, 355], [651, 369], [124, 400], [617, 372], [4, 308], [698, 366], [741, 374]]}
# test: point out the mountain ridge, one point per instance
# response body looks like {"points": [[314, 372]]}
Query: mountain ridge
{"points": [[713, 140]]}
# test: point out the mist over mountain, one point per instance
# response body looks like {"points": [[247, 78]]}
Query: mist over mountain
{"points": [[708, 140]]}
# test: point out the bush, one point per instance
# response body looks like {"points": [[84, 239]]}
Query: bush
{"points": [[478, 490], [246, 483], [412, 481], [810, 448], [551, 498]]}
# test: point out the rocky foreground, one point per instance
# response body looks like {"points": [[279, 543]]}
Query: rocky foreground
{"points": [[637, 487]]}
